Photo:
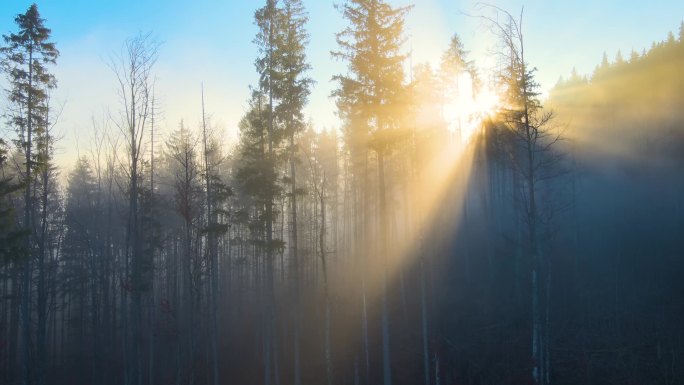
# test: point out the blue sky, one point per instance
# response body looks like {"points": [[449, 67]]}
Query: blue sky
{"points": [[210, 41]]}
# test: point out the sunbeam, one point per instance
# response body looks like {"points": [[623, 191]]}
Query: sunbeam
{"points": [[295, 192]]}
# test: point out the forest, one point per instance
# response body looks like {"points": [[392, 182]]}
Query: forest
{"points": [[458, 227]]}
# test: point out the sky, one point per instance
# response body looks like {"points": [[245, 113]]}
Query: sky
{"points": [[210, 42]]}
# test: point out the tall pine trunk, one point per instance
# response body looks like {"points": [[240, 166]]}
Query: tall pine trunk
{"points": [[386, 361], [28, 225], [295, 259]]}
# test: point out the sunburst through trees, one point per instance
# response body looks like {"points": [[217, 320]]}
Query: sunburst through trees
{"points": [[453, 227]]}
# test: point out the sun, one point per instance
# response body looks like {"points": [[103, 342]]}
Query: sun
{"points": [[466, 107]]}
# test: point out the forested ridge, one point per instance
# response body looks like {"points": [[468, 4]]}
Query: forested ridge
{"points": [[456, 228]]}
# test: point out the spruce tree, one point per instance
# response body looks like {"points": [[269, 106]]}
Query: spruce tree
{"points": [[11, 234], [26, 58], [371, 97]]}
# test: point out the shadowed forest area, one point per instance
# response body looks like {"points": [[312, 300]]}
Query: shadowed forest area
{"points": [[457, 228]]}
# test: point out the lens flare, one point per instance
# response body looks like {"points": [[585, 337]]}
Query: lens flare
{"points": [[467, 107]]}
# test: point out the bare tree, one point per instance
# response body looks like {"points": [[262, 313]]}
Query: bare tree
{"points": [[534, 158], [133, 70]]}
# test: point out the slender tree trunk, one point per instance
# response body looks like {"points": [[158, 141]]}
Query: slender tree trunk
{"points": [[41, 342], [188, 327], [424, 318], [539, 335], [295, 260], [136, 273], [269, 354], [213, 257], [28, 225], [150, 326], [361, 246], [386, 361], [326, 291], [14, 326], [364, 330], [438, 379]]}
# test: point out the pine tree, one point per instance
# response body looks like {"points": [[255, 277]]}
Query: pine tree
{"points": [[26, 57], [256, 177], [267, 19], [79, 248], [11, 234], [455, 68], [183, 175], [282, 68], [455, 63], [371, 97], [291, 92]]}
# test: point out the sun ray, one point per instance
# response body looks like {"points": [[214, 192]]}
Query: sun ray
{"points": [[468, 106]]}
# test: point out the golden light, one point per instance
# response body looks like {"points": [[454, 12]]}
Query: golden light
{"points": [[466, 108], [441, 182]]}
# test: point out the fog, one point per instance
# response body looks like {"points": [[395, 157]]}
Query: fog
{"points": [[462, 226]]}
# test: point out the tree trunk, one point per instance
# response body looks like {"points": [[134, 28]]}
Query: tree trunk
{"points": [[386, 361], [295, 260], [28, 225], [424, 319], [41, 341], [326, 290]]}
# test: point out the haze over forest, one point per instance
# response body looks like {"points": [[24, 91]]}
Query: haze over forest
{"points": [[407, 219]]}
